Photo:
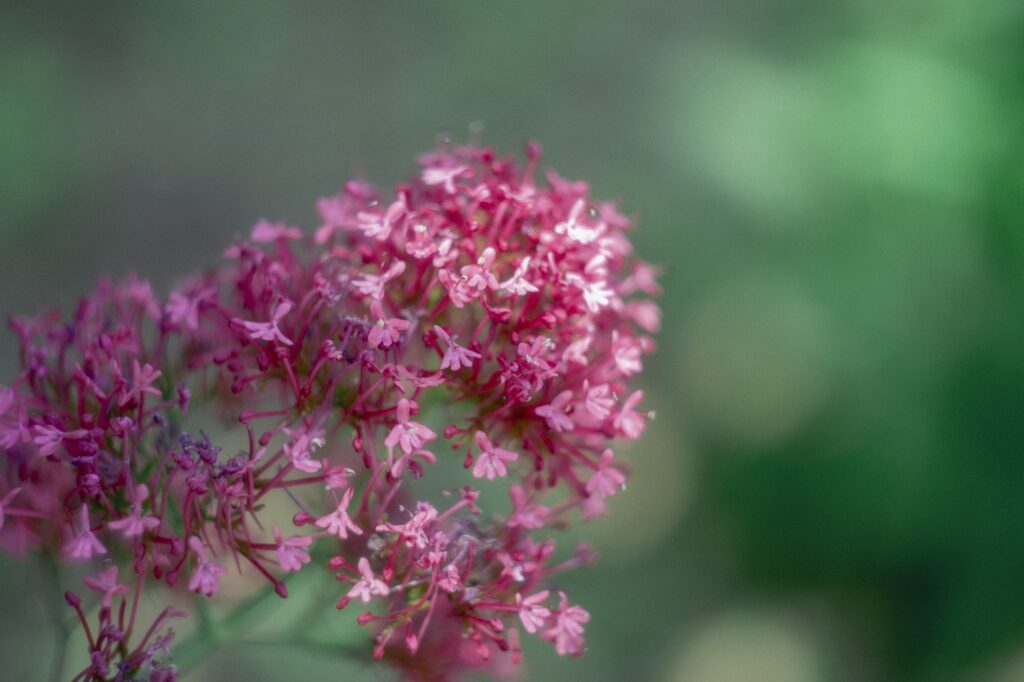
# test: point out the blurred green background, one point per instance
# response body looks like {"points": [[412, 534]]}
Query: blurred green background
{"points": [[835, 188]]}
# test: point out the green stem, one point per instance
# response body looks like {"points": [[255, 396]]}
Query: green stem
{"points": [[212, 634], [55, 608]]}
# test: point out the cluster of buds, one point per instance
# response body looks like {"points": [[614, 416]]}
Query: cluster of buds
{"points": [[479, 318]]}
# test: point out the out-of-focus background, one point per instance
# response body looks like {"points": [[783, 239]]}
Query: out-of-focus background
{"points": [[832, 488]]}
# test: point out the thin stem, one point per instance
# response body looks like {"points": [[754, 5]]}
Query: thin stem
{"points": [[213, 633], [55, 608]]}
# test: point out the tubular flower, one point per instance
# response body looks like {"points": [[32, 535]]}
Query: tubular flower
{"points": [[482, 318]]}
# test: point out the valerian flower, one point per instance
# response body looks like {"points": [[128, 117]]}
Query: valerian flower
{"points": [[482, 305], [492, 460]]}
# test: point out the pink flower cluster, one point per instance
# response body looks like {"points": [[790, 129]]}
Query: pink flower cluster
{"points": [[478, 318]]}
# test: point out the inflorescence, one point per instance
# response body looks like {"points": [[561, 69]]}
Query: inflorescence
{"points": [[509, 307]]}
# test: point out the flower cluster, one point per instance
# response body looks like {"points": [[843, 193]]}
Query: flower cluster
{"points": [[478, 318]]}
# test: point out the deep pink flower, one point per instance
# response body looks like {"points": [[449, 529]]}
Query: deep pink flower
{"points": [[629, 422], [607, 480], [519, 284], [265, 232], [336, 477], [445, 177], [300, 450], [292, 552], [450, 579], [106, 584], [83, 543], [627, 352], [206, 575], [387, 330], [532, 612], [491, 460], [567, 632], [598, 401], [455, 356], [338, 522], [49, 438], [554, 413], [269, 331], [373, 285], [185, 307], [368, 585], [524, 514], [575, 229], [414, 531], [142, 378], [408, 435], [136, 524], [378, 225]]}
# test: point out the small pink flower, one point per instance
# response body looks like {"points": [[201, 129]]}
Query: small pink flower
{"points": [[451, 579], [599, 401], [607, 480], [491, 460], [473, 281], [335, 478], [647, 314], [411, 461], [300, 450], [479, 276], [185, 307], [142, 378], [567, 632], [106, 584], [518, 284], [387, 330], [266, 232], [414, 531], [445, 176], [455, 356], [292, 554], [206, 575], [627, 353], [49, 438], [574, 229], [367, 586], [379, 225], [373, 285], [84, 544], [596, 294], [629, 422], [136, 524], [532, 612], [525, 515], [554, 412], [338, 522], [408, 435], [269, 331]]}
